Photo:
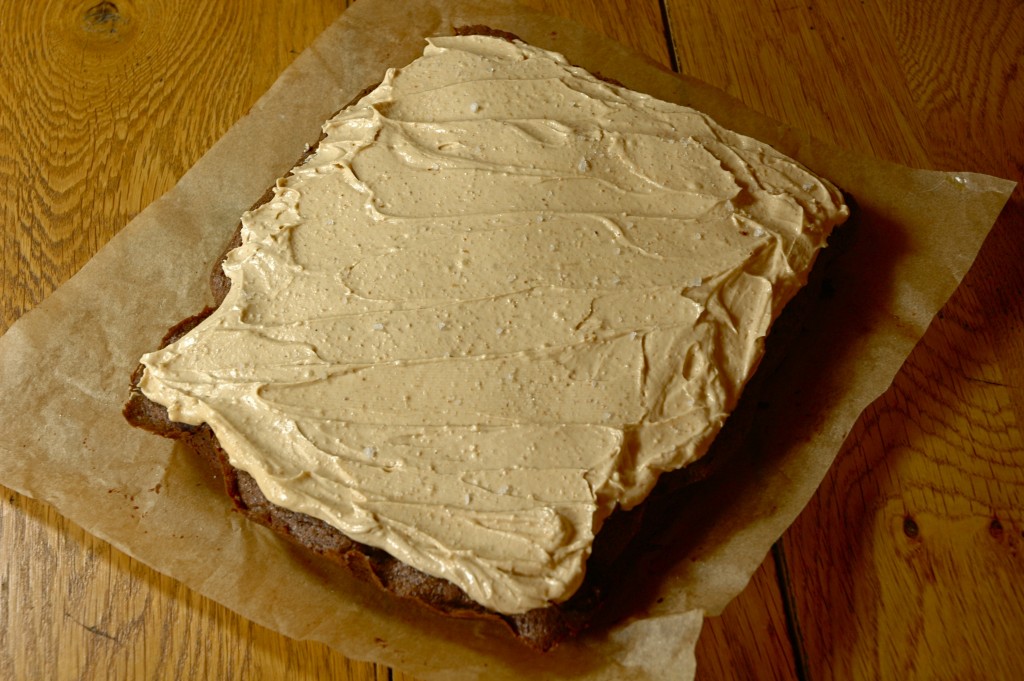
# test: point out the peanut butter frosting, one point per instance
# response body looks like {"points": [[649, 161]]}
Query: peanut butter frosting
{"points": [[500, 298]]}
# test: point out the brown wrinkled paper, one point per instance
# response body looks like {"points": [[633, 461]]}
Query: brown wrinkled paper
{"points": [[913, 236]]}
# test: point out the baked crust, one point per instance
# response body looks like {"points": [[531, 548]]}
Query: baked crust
{"points": [[621, 541], [541, 628]]}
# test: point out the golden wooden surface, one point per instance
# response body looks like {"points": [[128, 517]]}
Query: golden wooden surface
{"points": [[908, 563]]}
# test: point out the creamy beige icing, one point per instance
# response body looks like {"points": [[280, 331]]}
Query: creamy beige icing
{"points": [[498, 301]]}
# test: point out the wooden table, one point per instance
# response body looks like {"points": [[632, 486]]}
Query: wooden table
{"points": [[908, 563]]}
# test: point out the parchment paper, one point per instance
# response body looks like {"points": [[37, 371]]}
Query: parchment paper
{"points": [[64, 372]]}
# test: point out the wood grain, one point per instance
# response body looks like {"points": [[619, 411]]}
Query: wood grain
{"points": [[806, 64], [102, 108], [906, 564], [106, 106], [750, 639]]}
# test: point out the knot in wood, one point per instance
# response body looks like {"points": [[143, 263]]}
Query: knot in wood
{"points": [[102, 17], [995, 528]]}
